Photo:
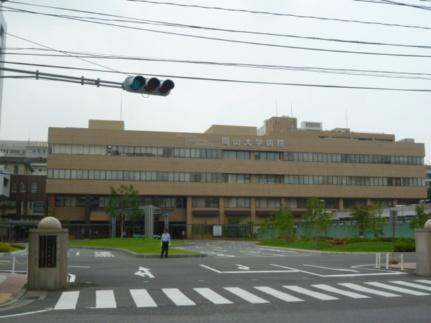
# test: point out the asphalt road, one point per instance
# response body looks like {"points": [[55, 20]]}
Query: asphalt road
{"points": [[237, 282]]}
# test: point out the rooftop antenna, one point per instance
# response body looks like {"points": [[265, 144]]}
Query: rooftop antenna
{"points": [[276, 108], [121, 106], [291, 110], [347, 119]]}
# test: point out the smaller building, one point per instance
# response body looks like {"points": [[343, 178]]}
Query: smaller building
{"points": [[23, 198]]}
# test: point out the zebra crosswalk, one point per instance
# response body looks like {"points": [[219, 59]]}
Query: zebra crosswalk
{"points": [[153, 298]]}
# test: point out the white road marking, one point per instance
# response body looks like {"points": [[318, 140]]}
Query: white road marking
{"points": [[71, 278], [142, 298], [178, 297], [311, 293], [212, 269], [26, 313], [67, 301], [248, 271], [77, 253], [212, 296], [418, 286], [336, 290], [335, 269], [247, 296], [277, 294], [360, 288], [423, 281], [105, 299], [104, 254], [242, 267], [84, 267], [397, 289], [342, 275], [144, 272]]}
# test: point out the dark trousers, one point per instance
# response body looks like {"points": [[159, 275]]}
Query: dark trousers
{"points": [[165, 249]]}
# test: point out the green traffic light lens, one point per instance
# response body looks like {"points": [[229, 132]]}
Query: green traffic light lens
{"points": [[137, 83]]}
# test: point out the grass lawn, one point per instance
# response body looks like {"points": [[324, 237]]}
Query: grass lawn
{"points": [[147, 247], [355, 246], [10, 247]]}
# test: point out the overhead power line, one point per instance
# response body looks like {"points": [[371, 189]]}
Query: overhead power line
{"points": [[397, 3], [313, 69], [245, 42], [198, 27], [98, 82], [272, 13]]}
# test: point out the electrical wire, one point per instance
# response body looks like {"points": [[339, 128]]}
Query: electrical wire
{"points": [[98, 82], [244, 42], [197, 27]]}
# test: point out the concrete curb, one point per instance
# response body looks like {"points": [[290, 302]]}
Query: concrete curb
{"points": [[15, 299], [139, 255]]}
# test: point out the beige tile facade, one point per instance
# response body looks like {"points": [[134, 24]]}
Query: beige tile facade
{"points": [[281, 135]]}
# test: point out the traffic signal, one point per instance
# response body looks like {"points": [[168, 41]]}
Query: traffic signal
{"points": [[153, 86]]}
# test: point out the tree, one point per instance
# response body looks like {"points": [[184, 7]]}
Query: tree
{"points": [[421, 217], [369, 219], [284, 224], [316, 219], [124, 204]]}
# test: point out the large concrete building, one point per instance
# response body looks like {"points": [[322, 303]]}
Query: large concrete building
{"points": [[228, 174]]}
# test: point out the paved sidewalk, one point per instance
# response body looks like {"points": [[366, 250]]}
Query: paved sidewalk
{"points": [[11, 286]]}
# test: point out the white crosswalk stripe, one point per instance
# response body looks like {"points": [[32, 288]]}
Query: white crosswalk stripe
{"points": [[397, 289], [176, 296], [245, 295], [212, 296], [277, 294], [142, 298], [423, 281], [311, 293], [413, 285], [367, 290], [105, 299], [67, 301], [336, 290]]}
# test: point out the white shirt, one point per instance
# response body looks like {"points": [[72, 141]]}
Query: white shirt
{"points": [[166, 237]]}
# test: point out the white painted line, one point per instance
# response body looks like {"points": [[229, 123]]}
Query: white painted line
{"points": [[77, 253], [259, 272], [144, 272], [277, 294], [329, 268], [142, 298], [104, 254], [71, 278], [308, 292], [360, 288], [242, 267], [105, 299], [67, 301], [212, 296], [413, 285], [342, 275], [247, 296], [83, 267], [423, 281], [210, 268], [178, 297], [26, 313], [397, 289], [340, 291]]}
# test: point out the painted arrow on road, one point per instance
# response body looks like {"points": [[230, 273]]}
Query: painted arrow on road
{"points": [[242, 267], [144, 272]]}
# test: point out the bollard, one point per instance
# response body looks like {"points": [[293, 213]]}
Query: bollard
{"points": [[387, 260], [378, 260], [13, 265], [402, 262]]}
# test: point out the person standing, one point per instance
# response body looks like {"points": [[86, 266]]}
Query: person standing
{"points": [[166, 240]]}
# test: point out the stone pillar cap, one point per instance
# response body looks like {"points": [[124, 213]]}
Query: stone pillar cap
{"points": [[427, 224], [49, 223]]}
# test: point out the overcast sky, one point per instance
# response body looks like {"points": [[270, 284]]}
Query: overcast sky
{"points": [[31, 106]]}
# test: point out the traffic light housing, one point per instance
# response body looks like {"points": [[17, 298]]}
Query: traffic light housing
{"points": [[152, 86]]}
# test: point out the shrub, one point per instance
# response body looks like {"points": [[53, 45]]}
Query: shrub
{"points": [[404, 245], [5, 247]]}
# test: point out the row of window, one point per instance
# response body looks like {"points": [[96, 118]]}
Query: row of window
{"points": [[214, 202], [22, 187], [198, 177], [233, 154]]}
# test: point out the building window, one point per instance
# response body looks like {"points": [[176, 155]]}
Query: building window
{"points": [[22, 187], [34, 187], [237, 202]]}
